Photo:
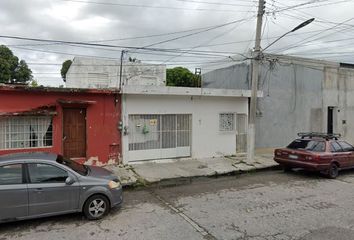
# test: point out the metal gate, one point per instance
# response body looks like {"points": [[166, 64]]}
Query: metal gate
{"points": [[241, 133], [159, 136]]}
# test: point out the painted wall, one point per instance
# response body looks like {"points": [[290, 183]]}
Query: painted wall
{"points": [[296, 95], [103, 73], [102, 119], [207, 140]]}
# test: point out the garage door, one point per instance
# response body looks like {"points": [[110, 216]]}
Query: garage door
{"points": [[159, 136]]}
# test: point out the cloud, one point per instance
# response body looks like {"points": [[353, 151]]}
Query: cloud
{"points": [[77, 21]]}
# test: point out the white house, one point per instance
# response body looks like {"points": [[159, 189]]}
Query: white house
{"points": [[172, 122], [160, 122]]}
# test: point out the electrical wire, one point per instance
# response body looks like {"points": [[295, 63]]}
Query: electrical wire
{"points": [[152, 6]]}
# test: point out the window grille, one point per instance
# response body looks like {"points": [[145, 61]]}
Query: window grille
{"points": [[227, 122], [26, 132]]}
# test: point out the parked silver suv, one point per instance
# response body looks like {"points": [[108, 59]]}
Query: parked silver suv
{"points": [[36, 185]]}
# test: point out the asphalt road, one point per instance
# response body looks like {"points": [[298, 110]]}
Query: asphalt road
{"points": [[265, 205]]}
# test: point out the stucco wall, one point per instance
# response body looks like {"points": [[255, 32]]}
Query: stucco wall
{"points": [[207, 140], [292, 97], [103, 73], [296, 94]]}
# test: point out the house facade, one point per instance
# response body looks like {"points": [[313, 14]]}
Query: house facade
{"points": [[160, 122], [173, 122], [81, 124], [299, 95]]}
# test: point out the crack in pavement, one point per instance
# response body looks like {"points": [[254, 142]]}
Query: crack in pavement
{"points": [[204, 232]]}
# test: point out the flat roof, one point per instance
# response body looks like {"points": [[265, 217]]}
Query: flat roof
{"points": [[25, 88], [185, 91]]}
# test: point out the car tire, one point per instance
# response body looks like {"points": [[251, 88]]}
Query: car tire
{"points": [[96, 207], [332, 171]]}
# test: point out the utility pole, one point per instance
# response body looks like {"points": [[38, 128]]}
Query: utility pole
{"points": [[255, 73], [121, 69]]}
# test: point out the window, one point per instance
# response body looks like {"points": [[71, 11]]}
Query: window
{"points": [[11, 174], [26, 132], [310, 145], [45, 173], [227, 122], [335, 147], [346, 146], [319, 147]]}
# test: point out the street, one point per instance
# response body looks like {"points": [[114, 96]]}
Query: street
{"points": [[264, 205]]}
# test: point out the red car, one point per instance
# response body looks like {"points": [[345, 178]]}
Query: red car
{"points": [[321, 152]]}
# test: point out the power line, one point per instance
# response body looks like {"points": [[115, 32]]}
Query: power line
{"points": [[218, 3], [151, 6], [191, 34], [130, 38], [309, 39]]}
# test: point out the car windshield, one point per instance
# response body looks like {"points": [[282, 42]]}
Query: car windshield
{"points": [[77, 167], [306, 144]]}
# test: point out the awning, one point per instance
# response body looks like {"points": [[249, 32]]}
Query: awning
{"points": [[42, 110]]}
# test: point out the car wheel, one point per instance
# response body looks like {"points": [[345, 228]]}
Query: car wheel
{"points": [[96, 207], [333, 171]]}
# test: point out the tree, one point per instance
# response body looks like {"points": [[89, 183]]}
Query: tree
{"points": [[64, 69], [34, 83], [11, 70], [182, 77]]}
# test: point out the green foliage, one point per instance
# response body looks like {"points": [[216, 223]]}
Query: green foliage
{"points": [[64, 69], [34, 83], [11, 70], [182, 77]]}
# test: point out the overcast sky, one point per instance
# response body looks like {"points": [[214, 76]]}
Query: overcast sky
{"points": [[329, 37]]}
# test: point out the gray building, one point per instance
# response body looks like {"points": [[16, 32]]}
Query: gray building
{"points": [[104, 73], [299, 95]]}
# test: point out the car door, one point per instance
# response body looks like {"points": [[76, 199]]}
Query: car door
{"points": [[48, 193], [13, 192], [339, 155], [349, 150]]}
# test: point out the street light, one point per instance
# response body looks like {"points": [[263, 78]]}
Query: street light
{"points": [[251, 135], [307, 22]]}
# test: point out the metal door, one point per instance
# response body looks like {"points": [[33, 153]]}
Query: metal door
{"points": [[74, 132], [241, 133], [156, 136]]}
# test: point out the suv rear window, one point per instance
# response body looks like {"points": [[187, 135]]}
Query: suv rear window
{"points": [[307, 144]]}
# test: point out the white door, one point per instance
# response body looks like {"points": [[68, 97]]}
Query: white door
{"points": [[159, 136]]}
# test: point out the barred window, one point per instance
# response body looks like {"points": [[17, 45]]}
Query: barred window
{"points": [[26, 132], [227, 122]]}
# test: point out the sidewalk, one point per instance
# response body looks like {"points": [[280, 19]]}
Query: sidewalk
{"points": [[155, 171]]}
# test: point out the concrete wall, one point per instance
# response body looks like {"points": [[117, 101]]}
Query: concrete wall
{"points": [[102, 73], [207, 139], [296, 95], [292, 97]]}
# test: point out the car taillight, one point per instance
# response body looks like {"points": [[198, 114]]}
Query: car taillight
{"points": [[308, 158]]}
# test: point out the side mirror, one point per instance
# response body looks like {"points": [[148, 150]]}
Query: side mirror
{"points": [[69, 181]]}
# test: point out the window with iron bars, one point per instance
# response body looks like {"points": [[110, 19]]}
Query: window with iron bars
{"points": [[227, 122], [26, 132]]}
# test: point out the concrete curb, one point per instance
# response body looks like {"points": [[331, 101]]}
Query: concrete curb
{"points": [[169, 182]]}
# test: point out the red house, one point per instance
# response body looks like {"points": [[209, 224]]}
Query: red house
{"points": [[81, 124]]}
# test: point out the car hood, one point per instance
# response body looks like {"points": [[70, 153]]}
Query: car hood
{"points": [[100, 172]]}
